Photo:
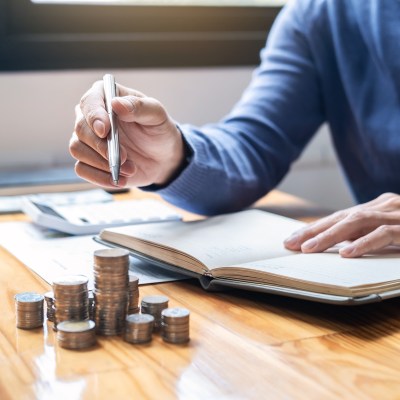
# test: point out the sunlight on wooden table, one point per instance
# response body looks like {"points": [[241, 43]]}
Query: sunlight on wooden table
{"points": [[243, 346]]}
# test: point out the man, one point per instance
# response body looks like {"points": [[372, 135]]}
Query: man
{"points": [[325, 60]]}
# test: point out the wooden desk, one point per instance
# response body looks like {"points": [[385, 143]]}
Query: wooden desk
{"points": [[243, 346]]}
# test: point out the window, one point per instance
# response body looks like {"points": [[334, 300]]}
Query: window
{"points": [[69, 34]]}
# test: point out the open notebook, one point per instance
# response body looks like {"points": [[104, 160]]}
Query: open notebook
{"points": [[245, 250]]}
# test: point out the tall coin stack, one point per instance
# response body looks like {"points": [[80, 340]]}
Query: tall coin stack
{"points": [[153, 305], [110, 290], [71, 298], [133, 295], [175, 325], [76, 334], [50, 309], [29, 310], [138, 328]]}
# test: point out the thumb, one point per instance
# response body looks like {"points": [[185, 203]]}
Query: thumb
{"points": [[142, 110]]}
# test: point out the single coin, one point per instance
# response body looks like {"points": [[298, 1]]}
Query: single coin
{"points": [[71, 280], [28, 297], [76, 326], [139, 318], [175, 312], [106, 253], [150, 300]]}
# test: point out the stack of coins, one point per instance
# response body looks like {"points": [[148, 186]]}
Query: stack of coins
{"points": [[138, 328], [71, 298], [29, 310], [153, 305], [50, 309], [175, 325], [133, 295], [76, 334], [110, 290]]}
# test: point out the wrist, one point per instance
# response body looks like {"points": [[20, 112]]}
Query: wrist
{"points": [[182, 156]]}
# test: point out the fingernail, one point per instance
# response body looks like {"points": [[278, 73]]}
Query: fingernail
{"points": [[99, 127], [310, 244], [348, 250], [291, 240]]}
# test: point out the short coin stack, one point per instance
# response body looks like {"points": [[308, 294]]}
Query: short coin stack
{"points": [[153, 305], [76, 334], [138, 328], [110, 290], [71, 298], [175, 325], [50, 309], [29, 310], [133, 295]]}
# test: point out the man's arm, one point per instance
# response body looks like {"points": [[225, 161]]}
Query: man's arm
{"points": [[220, 167], [240, 159]]}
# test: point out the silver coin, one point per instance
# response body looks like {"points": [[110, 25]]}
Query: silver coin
{"points": [[154, 300], [175, 312], [76, 326], [111, 253], [139, 318], [71, 280], [28, 297]]}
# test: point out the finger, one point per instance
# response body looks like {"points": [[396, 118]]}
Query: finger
{"points": [[383, 236], [93, 109], [84, 134], [83, 153], [124, 91], [355, 225], [295, 241], [86, 154], [142, 110], [97, 176]]}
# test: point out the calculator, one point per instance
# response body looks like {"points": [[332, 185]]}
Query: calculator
{"points": [[91, 218]]}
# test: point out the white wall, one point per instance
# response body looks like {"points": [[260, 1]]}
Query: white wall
{"points": [[37, 116]]}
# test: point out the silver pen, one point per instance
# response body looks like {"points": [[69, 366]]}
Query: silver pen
{"points": [[114, 160]]}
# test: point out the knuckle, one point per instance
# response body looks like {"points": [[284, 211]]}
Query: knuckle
{"points": [[97, 83], [154, 101], [393, 202], [359, 215], [83, 101], [327, 237], [91, 116], [137, 104], [78, 168], [80, 125], [386, 230], [74, 147], [100, 147], [364, 243], [338, 215], [386, 196], [77, 110]]}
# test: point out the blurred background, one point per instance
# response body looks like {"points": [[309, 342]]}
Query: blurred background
{"points": [[196, 57]]}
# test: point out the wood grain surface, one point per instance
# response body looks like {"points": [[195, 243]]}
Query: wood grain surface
{"points": [[243, 346]]}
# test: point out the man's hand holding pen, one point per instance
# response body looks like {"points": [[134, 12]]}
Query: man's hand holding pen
{"points": [[151, 146]]}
